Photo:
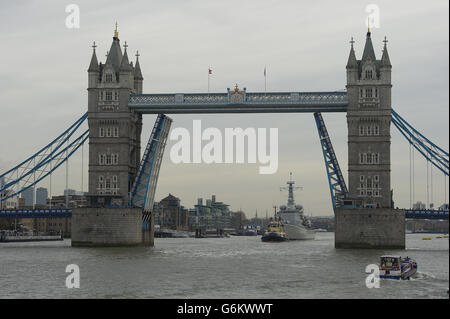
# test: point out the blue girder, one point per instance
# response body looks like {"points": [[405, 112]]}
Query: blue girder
{"points": [[42, 163], [144, 186], [432, 153], [426, 214], [338, 188], [36, 213]]}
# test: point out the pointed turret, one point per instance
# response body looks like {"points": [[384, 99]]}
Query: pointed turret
{"points": [[138, 79], [93, 66], [368, 53], [125, 64], [115, 52], [352, 65], [93, 70], [137, 68], [352, 62], [385, 61], [126, 71], [385, 65]]}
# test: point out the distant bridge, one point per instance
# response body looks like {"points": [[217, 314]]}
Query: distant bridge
{"points": [[36, 213], [426, 214], [63, 212]]}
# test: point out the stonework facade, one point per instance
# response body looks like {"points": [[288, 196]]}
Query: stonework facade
{"points": [[369, 120], [114, 130], [382, 228]]}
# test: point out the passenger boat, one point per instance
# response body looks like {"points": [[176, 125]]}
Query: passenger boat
{"points": [[275, 232], [396, 267]]}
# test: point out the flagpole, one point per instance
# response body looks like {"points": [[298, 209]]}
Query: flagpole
{"points": [[209, 74], [265, 80]]}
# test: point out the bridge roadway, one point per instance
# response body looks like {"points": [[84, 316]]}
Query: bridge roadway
{"points": [[64, 212], [235, 101]]}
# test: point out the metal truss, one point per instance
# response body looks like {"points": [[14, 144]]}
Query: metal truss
{"points": [[240, 102], [338, 188], [426, 214], [35, 213], [432, 153], [144, 187], [43, 163]]}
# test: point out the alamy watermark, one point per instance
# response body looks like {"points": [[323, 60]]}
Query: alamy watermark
{"points": [[228, 149], [73, 280], [73, 17], [373, 19], [373, 279]]}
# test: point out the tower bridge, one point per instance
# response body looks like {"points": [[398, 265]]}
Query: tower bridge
{"points": [[122, 185]]}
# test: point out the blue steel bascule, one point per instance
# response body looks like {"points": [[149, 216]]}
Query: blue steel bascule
{"points": [[142, 191], [144, 187]]}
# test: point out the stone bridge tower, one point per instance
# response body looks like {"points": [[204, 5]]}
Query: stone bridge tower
{"points": [[114, 130], [369, 119]]}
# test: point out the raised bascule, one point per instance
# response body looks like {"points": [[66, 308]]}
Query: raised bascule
{"points": [[122, 185]]}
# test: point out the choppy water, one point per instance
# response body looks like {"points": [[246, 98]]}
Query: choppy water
{"points": [[237, 267]]}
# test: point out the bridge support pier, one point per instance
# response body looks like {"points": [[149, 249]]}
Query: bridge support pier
{"points": [[378, 228], [148, 230], [100, 227]]}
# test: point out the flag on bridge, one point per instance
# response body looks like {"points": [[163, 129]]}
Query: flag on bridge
{"points": [[265, 80], [209, 73]]}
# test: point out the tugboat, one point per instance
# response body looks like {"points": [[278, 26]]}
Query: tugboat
{"points": [[275, 232], [396, 267]]}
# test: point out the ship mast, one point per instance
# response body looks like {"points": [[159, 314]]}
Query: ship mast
{"points": [[290, 188]]}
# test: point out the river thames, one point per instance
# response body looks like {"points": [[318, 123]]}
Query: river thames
{"points": [[236, 267]]}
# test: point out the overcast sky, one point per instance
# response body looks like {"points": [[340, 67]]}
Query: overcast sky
{"points": [[304, 44]]}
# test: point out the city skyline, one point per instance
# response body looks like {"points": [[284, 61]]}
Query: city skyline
{"points": [[297, 60]]}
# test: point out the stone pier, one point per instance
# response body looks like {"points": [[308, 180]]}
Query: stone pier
{"points": [[381, 228], [99, 227]]}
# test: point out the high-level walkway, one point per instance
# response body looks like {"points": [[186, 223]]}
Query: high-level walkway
{"points": [[236, 101]]}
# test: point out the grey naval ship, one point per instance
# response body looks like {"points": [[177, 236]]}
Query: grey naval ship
{"points": [[296, 225]]}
